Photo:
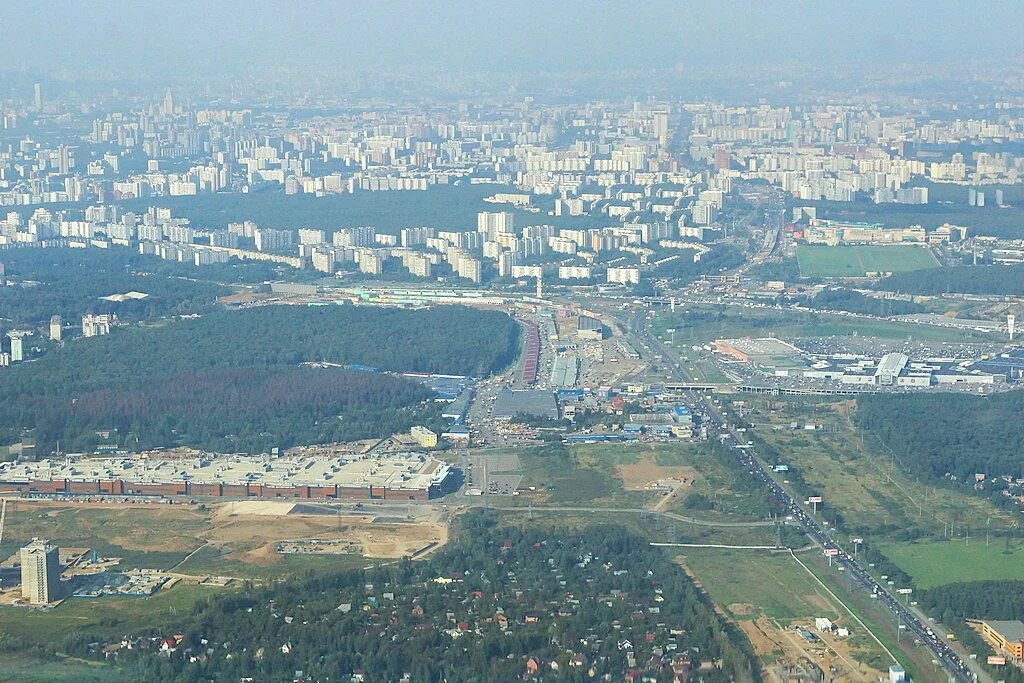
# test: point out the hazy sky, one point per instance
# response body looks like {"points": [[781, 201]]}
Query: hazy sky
{"points": [[227, 35]]}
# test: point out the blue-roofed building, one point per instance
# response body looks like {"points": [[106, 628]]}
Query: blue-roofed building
{"points": [[570, 395], [682, 414]]}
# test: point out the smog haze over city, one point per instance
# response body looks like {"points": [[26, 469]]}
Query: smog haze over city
{"points": [[457, 342]]}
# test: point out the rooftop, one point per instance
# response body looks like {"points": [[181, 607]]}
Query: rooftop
{"points": [[397, 471], [1011, 631]]}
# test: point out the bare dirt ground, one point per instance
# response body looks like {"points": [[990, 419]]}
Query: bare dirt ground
{"points": [[247, 531], [267, 508], [639, 476], [252, 531], [772, 641]]}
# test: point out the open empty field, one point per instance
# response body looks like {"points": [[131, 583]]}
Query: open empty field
{"points": [[940, 562], [857, 261], [235, 539], [750, 584], [662, 476], [27, 670], [143, 535], [769, 596], [109, 614]]}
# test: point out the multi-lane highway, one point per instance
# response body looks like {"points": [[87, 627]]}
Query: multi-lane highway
{"points": [[958, 668]]}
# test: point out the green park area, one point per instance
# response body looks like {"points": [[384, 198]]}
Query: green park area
{"points": [[449, 207], [974, 558], [859, 261]]}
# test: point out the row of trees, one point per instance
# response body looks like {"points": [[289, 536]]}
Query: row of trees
{"points": [[855, 302], [1008, 280]]}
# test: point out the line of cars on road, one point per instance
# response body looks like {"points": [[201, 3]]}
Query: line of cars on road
{"points": [[943, 653]]}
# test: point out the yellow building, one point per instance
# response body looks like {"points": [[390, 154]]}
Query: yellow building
{"points": [[1005, 636], [424, 437]]}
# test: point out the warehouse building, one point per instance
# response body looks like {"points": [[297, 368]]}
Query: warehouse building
{"points": [[589, 328], [402, 476], [531, 402], [1005, 636]]}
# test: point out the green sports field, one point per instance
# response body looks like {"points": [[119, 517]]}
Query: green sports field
{"points": [[857, 261]]}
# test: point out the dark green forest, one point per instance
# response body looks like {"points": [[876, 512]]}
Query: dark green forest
{"points": [[476, 611], [959, 279], [232, 380], [936, 434], [855, 302], [71, 282], [786, 270]]}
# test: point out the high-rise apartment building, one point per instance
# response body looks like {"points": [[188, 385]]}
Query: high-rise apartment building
{"points": [[40, 572]]}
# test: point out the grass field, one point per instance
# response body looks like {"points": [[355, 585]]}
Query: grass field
{"points": [[163, 536], [597, 474], [106, 616], [857, 261], [749, 584], [26, 670], [702, 324], [153, 536], [770, 594], [940, 562], [872, 493]]}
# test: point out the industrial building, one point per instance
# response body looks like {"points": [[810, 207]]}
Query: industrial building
{"points": [[1005, 636], [531, 353], [402, 476], [589, 328], [832, 233], [565, 371], [763, 351], [785, 361], [40, 572], [532, 402]]}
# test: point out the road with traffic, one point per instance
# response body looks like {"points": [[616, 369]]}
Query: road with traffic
{"points": [[959, 669]]}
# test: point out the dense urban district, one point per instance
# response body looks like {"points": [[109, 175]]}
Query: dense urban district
{"points": [[523, 387]]}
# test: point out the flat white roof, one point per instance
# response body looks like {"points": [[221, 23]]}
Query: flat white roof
{"points": [[396, 471]]}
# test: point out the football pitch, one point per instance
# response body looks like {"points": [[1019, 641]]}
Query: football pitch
{"points": [[858, 261]]}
